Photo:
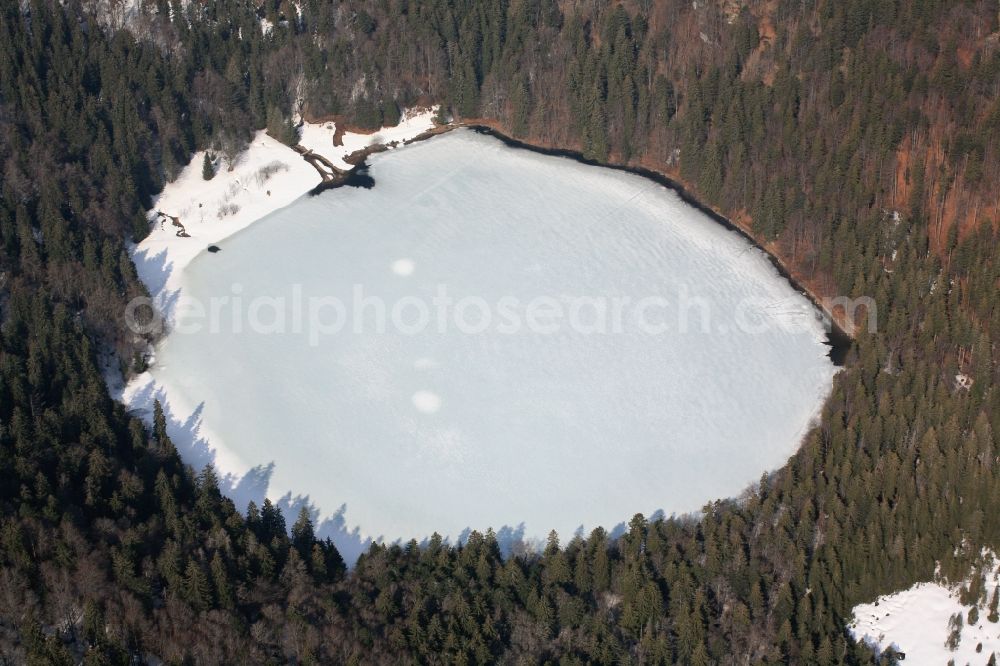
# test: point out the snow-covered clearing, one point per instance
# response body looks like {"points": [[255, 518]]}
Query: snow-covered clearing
{"points": [[918, 622]]}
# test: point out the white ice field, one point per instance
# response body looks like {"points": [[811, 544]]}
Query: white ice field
{"points": [[393, 433]]}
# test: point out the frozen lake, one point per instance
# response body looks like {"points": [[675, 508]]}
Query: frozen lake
{"points": [[607, 350]]}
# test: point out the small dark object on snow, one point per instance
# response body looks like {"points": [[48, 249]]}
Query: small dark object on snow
{"points": [[214, 248]]}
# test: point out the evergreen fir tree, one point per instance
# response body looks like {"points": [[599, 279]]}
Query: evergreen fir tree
{"points": [[197, 590], [221, 582], [207, 168], [303, 536]]}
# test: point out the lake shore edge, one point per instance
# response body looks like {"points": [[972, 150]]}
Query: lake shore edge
{"points": [[838, 338]]}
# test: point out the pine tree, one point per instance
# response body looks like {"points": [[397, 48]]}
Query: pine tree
{"points": [[272, 522], [335, 565], [710, 178], [197, 590], [207, 168], [281, 127], [221, 582], [699, 657], [253, 518], [390, 113], [520, 101], [160, 426], [317, 562], [303, 536], [208, 490], [93, 622]]}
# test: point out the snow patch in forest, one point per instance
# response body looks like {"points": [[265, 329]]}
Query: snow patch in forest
{"points": [[917, 621], [116, 14]]}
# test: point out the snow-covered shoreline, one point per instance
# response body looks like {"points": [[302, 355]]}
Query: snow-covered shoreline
{"points": [[266, 177]]}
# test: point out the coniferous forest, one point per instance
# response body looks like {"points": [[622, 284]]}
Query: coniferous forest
{"points": [[859, 140]]}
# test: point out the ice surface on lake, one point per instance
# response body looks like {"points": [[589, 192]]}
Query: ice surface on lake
{"points": [[399, 434]]}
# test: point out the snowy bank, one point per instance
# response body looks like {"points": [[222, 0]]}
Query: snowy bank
{"points": [[318, 137], [265, 177]]}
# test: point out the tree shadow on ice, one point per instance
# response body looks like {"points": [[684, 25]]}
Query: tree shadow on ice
{"points": [[184, 432], [622, 528], [251, 487], [510, 539], [195, 451], [349, 541], [153, 269]]}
